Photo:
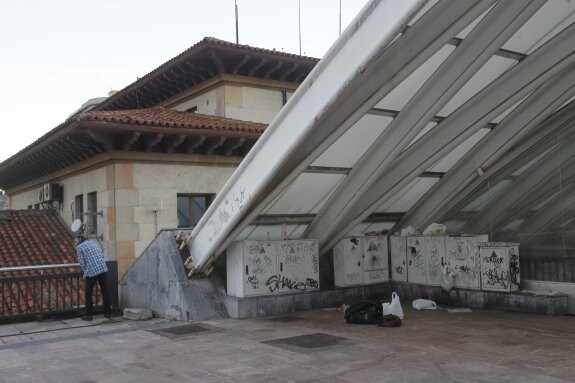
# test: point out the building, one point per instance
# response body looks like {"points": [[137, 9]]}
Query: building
{"points": [[154, 154]]}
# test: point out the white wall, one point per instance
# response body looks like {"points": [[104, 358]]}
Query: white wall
{"points": [[252, 104], [210, 103], [245, 103]]}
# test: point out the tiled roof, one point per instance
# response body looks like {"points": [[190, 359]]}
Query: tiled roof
{"points": [[69, 142], [203, 60], [36, 237], [163, 117]]}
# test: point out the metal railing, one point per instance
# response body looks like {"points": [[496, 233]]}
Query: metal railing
{"points": [[37, 292]]}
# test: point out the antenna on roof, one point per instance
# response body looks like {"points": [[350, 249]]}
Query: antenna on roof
{"points": [[299, 24], [340, 17], [237, 31]]}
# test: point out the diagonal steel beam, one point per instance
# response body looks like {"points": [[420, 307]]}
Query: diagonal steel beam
{"points": [[366, 63], [538, 68], [542, 178], [502, 21], [560, 120], [526, 117]]}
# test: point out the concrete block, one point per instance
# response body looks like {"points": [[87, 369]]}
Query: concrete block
{"points": [[137, 314], [275, 305], [241, 308]]}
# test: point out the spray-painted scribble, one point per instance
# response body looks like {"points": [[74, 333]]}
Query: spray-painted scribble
{"points": [[496, 269], [398, 256], [280, 282], [514, 266], [297, 265], [226, 211], [416, 265], [435, 252]]}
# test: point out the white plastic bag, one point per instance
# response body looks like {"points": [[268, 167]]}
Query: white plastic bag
{"points": [[435, 229], [423, 304], [393, 308]]}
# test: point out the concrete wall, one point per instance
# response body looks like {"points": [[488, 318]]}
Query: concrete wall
{"points": [[157, 281]]}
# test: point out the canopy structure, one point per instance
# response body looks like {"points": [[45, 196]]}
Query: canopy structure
{"points": [[422, 112]]}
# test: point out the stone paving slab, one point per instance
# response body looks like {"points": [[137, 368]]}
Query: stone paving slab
{"points": [[430, 346]]}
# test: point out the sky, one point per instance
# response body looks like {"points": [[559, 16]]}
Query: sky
{"points": [[58, 54]]}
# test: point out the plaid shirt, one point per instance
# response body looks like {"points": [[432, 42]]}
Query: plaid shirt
{"points": [[91, 259]]}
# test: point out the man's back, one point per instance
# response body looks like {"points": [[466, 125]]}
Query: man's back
{"points": [[91, 258]]}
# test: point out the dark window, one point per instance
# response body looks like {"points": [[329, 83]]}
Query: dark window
{"points": [[92, 218], [79, 207], [191, 207]]}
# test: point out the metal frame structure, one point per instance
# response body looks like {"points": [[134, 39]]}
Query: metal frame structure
{"points": [[406, 114]]}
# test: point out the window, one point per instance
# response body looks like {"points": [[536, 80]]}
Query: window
{"points": [[92, 218], [79, 207], [191, 207]]}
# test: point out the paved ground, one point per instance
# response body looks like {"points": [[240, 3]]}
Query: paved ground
{"points": [[312, 346]]}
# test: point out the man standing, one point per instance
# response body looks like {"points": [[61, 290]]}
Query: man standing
{"points": [[93, 263]]}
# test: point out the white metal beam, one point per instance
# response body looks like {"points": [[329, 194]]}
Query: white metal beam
{"points": [[367, 62], [502, 21], [538, 68], [550, 214], [542, 178], [527, 116], [565, 117]]}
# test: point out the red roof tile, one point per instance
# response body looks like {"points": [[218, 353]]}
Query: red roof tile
{"points": [[34, 237], [163, 117]]}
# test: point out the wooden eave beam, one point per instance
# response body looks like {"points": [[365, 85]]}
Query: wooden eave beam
{"points": [[239, 66], [215, 145], [233, 144], [194, 143], [273, 69], [153, 141], [173, 142], [257, 67], [217, 62], [131, 140], [287, 73], [102, 138]]}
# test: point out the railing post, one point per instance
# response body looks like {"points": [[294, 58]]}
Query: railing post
{"points": [[112, 281]]}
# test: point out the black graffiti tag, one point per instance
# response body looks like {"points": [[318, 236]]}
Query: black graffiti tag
{"points": [[278, 281]]}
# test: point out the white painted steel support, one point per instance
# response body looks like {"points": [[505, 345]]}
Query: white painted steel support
{"points": [[542, 179], [526, 117], [327, 101], [515, 84], [503, 20], [551, 214], [555, 123]]}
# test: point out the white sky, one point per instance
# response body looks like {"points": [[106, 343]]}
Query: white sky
{"points": [[55, 55]]}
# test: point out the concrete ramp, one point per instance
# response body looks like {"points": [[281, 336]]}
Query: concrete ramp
{"points": [[157, 281]]}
